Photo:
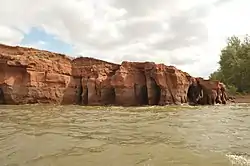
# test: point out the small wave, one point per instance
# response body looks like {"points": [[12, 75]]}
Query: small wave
{"points": [[239, 160]]}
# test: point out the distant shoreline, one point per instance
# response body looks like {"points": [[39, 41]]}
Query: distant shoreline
{"points": [[241, 98]]}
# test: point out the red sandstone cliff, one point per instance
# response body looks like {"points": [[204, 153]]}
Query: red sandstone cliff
{"points": [[149, 84], [34, 76]]}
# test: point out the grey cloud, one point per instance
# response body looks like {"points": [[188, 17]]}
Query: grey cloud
{"points": [[65, 22], [140, 7], [178, 61], [140, 29], [131, 33], [197, 12], [102, 44], [182, 26], [132, 58], [187, 29], [77, 27], [186, 33], [221, 2]]}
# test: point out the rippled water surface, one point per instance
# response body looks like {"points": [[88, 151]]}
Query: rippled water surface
{"points": [[38, 135]]}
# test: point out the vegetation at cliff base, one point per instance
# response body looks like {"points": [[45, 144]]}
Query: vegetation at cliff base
{"points": [[234, 63]]}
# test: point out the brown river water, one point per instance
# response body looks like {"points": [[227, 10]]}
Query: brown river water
{"points": [[43, 135]]}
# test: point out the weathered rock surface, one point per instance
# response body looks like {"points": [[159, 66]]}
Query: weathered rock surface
{"points": [[32, 76], [206, 92], [95, 75], [29, 75]]}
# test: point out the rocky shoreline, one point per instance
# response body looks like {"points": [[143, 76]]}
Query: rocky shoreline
{"points": [[29, 76]]}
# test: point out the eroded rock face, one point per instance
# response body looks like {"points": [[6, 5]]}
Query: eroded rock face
{"points": [[129, 83], [34, 76], [173, 84], [149, 84], [206, 92], [95, 78]]}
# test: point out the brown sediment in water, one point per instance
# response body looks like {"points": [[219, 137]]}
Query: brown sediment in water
{"points": [[74, 135]]}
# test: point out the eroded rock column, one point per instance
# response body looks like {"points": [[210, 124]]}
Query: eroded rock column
{"points": [[129, 83]]}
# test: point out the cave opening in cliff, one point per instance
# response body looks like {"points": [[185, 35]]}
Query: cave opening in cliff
{"points": [[85, 95], [110, 96], [157, 93], [2, 99], [154, 92], [79, 95], [144, 95], [194, 94]]}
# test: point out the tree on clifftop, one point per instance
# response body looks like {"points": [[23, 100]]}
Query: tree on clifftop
{"points": [[234, 64]]}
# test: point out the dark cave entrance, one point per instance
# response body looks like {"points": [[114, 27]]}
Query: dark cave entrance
{"points": [[144, 95], [157, 91], [195, 94], [2, 98], [108, 96], [154, 92], [112, 96], [190, 93], [84, 95], [79, 94], [141, 92]]}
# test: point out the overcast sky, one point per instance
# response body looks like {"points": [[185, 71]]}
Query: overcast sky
{"points": [[186, 33]]}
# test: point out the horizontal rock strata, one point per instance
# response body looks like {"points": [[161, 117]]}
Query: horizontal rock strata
{"points": [[29, 76]]}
